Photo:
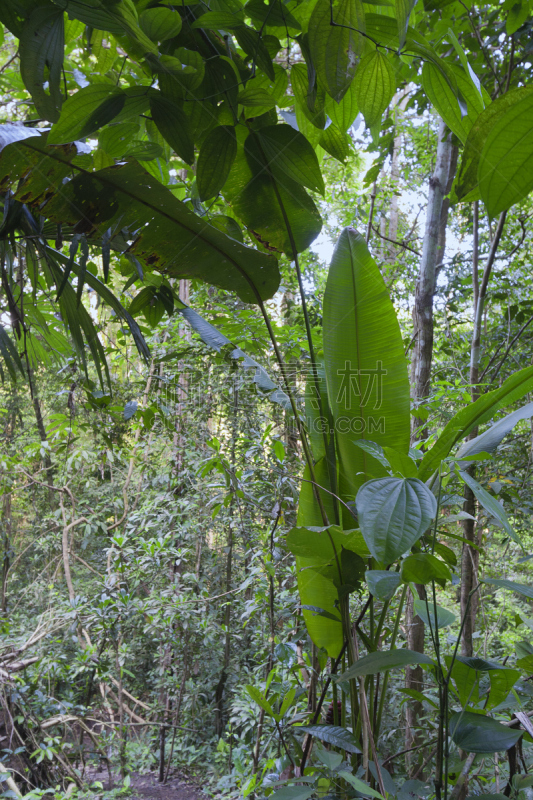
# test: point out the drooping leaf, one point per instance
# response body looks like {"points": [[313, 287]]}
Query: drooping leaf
{"points": [[260, 699], [503, 583], [445, 101], [217, 154], [343, 113], [310, 104], [335, 142], [293, 793], [334, 735], [364, 361], [514, 388], [360, 786], [488, 441], [173, 125], [335, 48], [466, 184], [374, 86], [393, 514], [382, 660], [253, 45], [288, 153], [169, 235], [444, 617], [424, 568], [382, 583], [477, 733], [490, 504], [10, 355], [41, 59], [403, 12], [86, 111], [504, 171]]}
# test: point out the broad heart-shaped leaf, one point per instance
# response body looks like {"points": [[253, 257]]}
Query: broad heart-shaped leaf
{"points": [[365, 365], [173, 124], [160, 24], [424, 568], [488, 441], [476, 733], [490, 504], [277, 211], [444, 617], [335, 48], [41, 59], [217, 155], [87, 111], [332, 734], [445, 101], [381, 583], [503, 583], [393, 514], [168, 234], [314, 588], [383, 660], [374, 86], [505, 172], [289, 154], [466, 184], [513, 389]]}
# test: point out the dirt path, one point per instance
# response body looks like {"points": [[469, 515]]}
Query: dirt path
{"points": [[146, 787]]}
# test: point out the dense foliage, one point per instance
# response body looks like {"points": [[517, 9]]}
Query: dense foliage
{"points": [[259, 523]]}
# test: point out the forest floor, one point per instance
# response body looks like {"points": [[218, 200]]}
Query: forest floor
{"points": [[147, 787]]}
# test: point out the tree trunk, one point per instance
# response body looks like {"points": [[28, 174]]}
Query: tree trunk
{"points": [[432, 255]]}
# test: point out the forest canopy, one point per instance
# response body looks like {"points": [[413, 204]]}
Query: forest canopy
{"points": [[266, 439]]}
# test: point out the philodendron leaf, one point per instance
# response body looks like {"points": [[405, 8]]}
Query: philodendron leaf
{"points": [[381, 583], [332, 734], [383, 660], [393, 514], [335, 48], [374, 86], [490, 504], [444, 617], [476, 733]]}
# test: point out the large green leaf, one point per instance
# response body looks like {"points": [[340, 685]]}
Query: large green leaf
{"points": [[87, 111], [289, 154], [382, 583], [314, 588], [311, 105], [365, 364], [335, 48], [41, 59], [476, 733], [335, 142], [505, 170], [403, 12], [393, 514], [514, 388], [217, 155], [466, 184], [488, 441], [424, 568], [167, 234], [332, 734], [173, 125], [445, 102], [383, 660], [344, 112], [321, 544], [503, 583], [444, 617], [490, 504], [160, 23], [374, 86], [277, 210]]}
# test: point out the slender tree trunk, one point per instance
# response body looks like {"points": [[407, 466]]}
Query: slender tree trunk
{"points": [[470, 555], [432, 255]]}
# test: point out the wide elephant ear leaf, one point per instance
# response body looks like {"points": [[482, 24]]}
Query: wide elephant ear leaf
{"points": [[513, 389], [365, 365], [393, 514], [166, 233]]}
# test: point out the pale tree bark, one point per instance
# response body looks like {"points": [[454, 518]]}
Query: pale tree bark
{"points": [[432, 255]]}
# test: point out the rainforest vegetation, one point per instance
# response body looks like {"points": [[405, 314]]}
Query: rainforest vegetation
{"points": [[266, 400]]}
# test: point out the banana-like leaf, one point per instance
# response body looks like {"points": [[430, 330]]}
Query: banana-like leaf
{"points": [[167, 235], [366, 370], [514, 388], [488, 441]]}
